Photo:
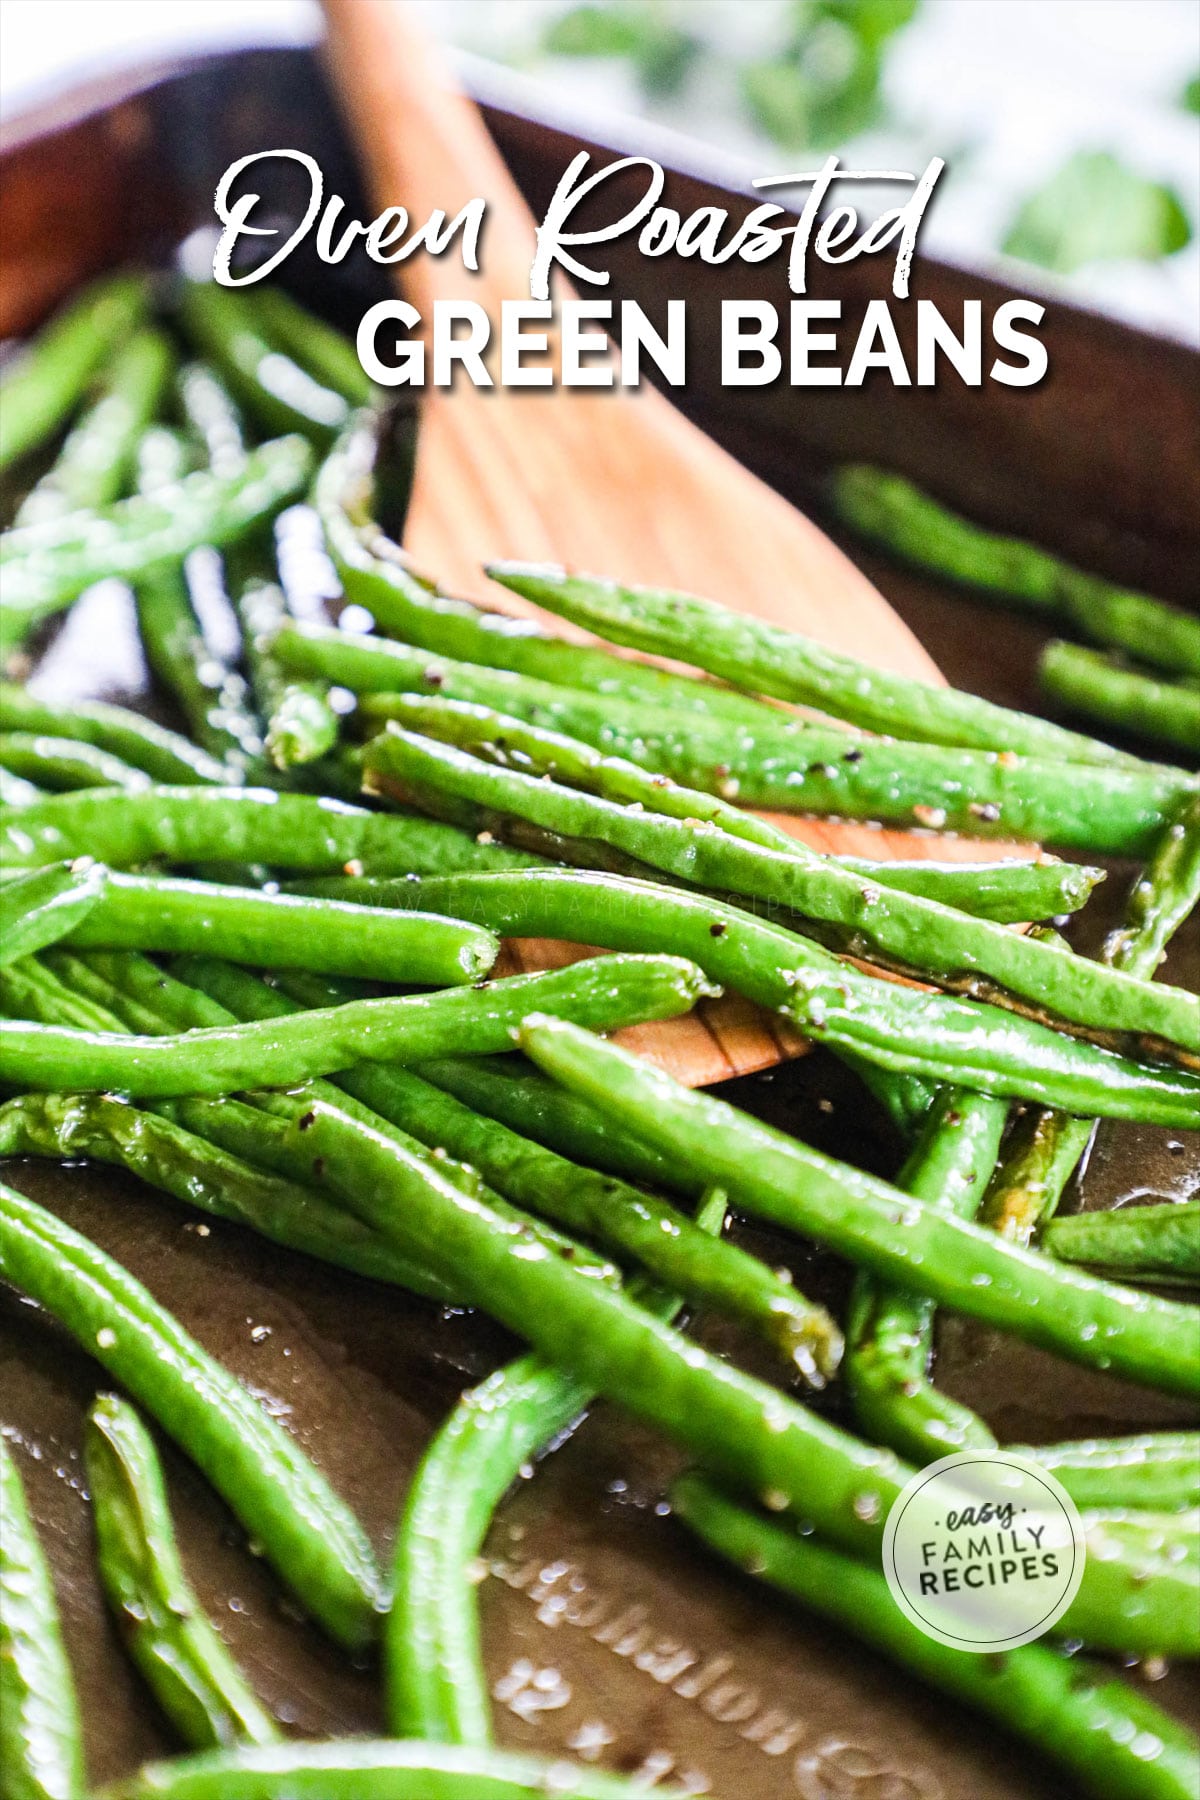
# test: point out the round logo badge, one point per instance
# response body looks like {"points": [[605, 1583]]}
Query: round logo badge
{"points": [[983, 1551]]}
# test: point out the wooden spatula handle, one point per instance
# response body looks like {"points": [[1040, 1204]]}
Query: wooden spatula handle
{"points": [[426, 146]]}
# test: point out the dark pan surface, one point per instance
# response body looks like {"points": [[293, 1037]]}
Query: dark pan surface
{"points": [[605, 1632]]}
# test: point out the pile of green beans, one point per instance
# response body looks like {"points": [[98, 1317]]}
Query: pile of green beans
{"points": [[283, 1501], [908, 932], [766, 659], [1111, 808], [209, 942]]}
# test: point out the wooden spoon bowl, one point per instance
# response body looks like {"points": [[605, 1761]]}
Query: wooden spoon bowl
{"points": [[610, 480]]}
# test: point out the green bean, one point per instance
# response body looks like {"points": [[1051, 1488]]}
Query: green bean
{"points": [[284, 931], [16, 791], [930, 1035], [241, 1131], [638, 1226], [41, 1752], [890, 1233], [593, 1330], [93, 466], [606, 992], [919, 530], [1009, 892], [906, 1099], [162, 457], [359, 1769], [310, 1537], [211, 696], [912, 933], [1105, 688], [890, 1329], [301, 724], [42, 386], [175, 1161], [1138, 1243], [1111, 810], [376, 574], [39, 908], [210, 411], [286, 830], [1158, 1469], [434, 1678], [29, 990], [325, 352], [126, 990], [139, 742], [508, 1089], [1103, 1733], [66, 763], [46, 566], [281, 395], [767, 659], [1163, 897], [176, 1651], [1045, 1147]]}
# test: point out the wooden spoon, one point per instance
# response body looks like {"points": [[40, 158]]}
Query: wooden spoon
{"points": [[614, 481]]}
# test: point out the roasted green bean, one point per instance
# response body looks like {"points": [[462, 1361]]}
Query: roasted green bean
{"points": [[202, 1174], [66, 762], [604, 993], [1008, 892], [93, 466], [286, 830], [890, 1329], [284, 931], [164, 755], [1045, 1146], [211, 696], [40, 387], [1159, 1470], [308, 1534], [329, 357], [890, 1233], [41, 1749], [176, 1651], [42, 906], [281, 395], [911, 933], [359, 1769], [376, 574], [46, 566], [1104, 688], [1136, 1243], [433, 1669]]}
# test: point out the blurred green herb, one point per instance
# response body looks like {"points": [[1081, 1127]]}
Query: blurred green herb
{"points": [[1095, 209], [1190, 97], [823, 85], [818, 86], [647, 36]]}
